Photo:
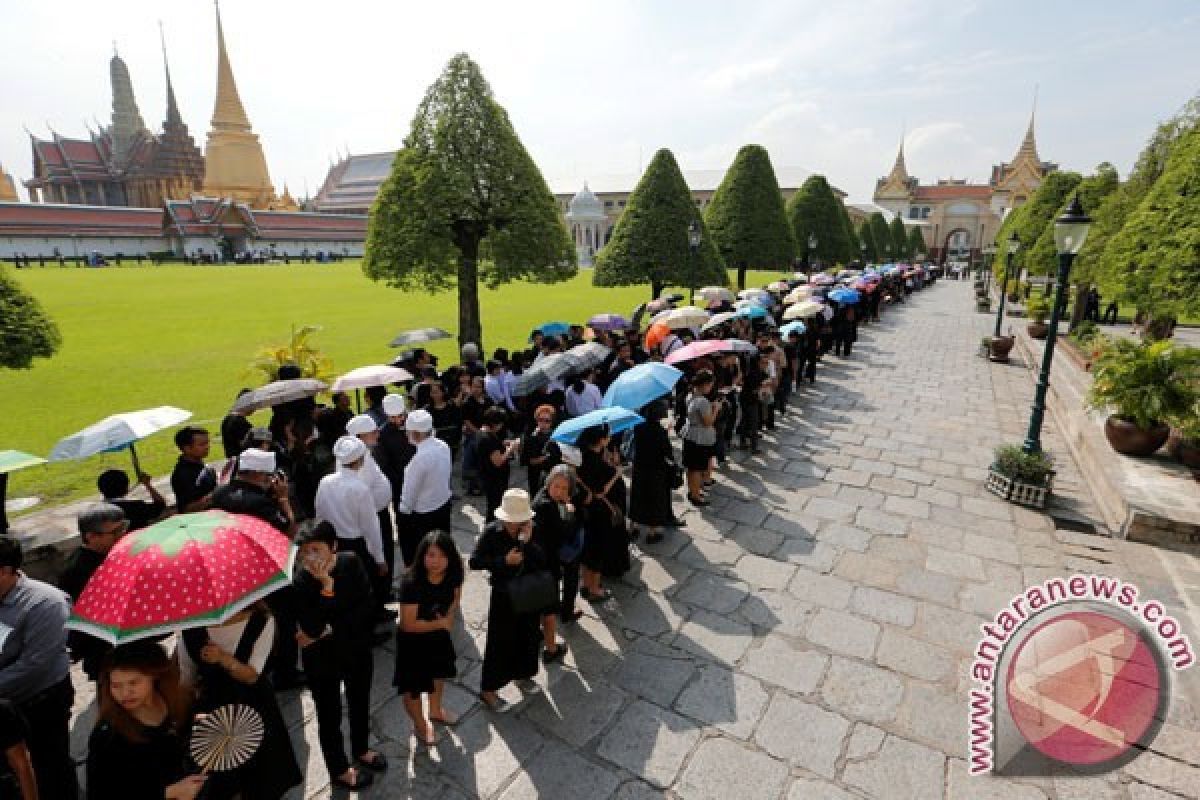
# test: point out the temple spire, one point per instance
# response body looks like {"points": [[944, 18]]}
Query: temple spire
{"points": [[899, 169], [228, 113], [126, 119], [1028, 148], [174, 118]]}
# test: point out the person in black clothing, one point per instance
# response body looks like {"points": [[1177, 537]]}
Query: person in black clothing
{"points": [[810, 352], [474, 404], [138, 749], [318, 460], [341, 410], [558, 530], [334, 605], [234, 428], [606, 542], [17, 780], [506, 549], [425, 657], [393, 450], [114, 485], [258, 490], [192, 481], [752, 381], [100, 527], [650, 483], [534, 455], [447, 418], [495, 455]]}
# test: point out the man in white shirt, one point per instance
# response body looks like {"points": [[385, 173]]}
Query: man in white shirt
{"points": [[583, 396], [364, 427], [345, 501], [425, 501]]}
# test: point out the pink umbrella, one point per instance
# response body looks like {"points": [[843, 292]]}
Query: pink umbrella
{"points": [[706, 347]]}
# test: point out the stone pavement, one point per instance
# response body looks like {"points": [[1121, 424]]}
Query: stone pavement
{"points": [[809, 634]]}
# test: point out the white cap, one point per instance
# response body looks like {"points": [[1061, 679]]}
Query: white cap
{"points": [[419, 421], [255, 460], [361, 424], [570, 454], [348, 449], [394, 405]]}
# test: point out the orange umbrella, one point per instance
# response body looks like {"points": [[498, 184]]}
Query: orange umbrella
{"points": [[656, 333]]}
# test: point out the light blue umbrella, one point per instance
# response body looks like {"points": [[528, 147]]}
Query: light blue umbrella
{"points": [[617, 419], [636, 387], [752, 311], [845, 296], [553, 328], [796, 327]]}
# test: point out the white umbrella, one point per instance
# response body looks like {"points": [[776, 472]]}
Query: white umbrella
{"points": [[590, 353], [118, 431], [683, 317], [278, 393], [371, 375], [803, 310], [798, 294], [419, 336], [718, 293], [718, 319]]}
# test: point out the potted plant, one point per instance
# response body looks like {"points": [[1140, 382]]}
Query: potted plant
{"points": [[999, 347], [1147, 384], [1020, 477], [1184, 442], [985, 346], [983, 303], [1037, 308]]}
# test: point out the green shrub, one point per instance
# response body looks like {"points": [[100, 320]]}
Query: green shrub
{"points": [[1085, 333], [1032, 468], [1037, 308], [1147, 383]]}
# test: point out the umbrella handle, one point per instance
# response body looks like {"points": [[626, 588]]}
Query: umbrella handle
{"points": [[137, 468]]}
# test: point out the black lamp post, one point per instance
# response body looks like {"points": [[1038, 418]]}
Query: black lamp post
{"points": [[808, 254], [862, 249], [1013, 245], [694, 248], [1070, 231]]}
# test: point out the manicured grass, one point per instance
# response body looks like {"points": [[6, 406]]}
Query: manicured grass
{"points": [[136, 337]]}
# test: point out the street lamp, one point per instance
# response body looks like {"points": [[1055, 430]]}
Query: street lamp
{"points": [[1013, 245], [694, 247], [1070, 231], [862, 248], [812, 248]]}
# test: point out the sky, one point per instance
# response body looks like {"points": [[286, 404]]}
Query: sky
{"points": [[597, 88]]}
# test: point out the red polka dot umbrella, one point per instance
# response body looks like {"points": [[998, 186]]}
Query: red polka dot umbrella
{"points": [[188, 571]]}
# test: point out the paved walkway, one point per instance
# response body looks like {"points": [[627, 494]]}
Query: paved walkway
{"points": [[809, 634]]}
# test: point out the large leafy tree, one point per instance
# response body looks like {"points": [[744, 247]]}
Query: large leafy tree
{"points": [[881, 234], [814, 210], [465, 202], [26, 332], [1156, 254], [867, 238], [746, 216], [916, 243], [1030, 221], [650, 242], [853, 251], [899, 238]]}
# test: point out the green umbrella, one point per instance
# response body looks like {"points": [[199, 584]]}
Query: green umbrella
{"points": [[11, 461]]}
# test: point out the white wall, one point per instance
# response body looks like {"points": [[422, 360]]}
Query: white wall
{"points": [[33, 246]]}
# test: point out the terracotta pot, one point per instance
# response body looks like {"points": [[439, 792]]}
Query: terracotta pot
{"points": [[1000, 347], [1128, 439], [1185, 451], [1038, 330]]}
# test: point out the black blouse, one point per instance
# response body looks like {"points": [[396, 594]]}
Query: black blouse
{"points": [[494, 544], [118, 767]]}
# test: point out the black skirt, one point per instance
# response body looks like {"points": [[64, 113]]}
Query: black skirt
{"points": [[421, 659], [513, 642], [697, 456]]}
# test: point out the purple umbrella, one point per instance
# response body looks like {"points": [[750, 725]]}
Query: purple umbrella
{"points": [[608, 322]]}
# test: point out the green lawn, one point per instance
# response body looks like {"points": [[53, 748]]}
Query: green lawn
{"points": [[136, 337]]}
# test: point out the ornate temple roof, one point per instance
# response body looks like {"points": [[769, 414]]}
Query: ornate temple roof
{"points": [[47, 219], [353, 182]]}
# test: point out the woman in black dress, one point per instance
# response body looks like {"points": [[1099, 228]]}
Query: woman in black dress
{"points": [[495, 454], [653, 468], [606, 542], [473, 405], [447, 418], [534, 456], [224, 663], [506, 549], [138, 749], [558, 530], [429, 597]]}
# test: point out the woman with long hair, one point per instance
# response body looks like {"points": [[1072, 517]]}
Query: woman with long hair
{"points": [[606, 541], [138, 749], [447, 417], [425, 659]]}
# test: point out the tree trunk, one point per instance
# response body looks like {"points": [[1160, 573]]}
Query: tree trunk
{"points": [[469, 327], [1077, 310], [656, 288], [741, 275], [1158, 328]]}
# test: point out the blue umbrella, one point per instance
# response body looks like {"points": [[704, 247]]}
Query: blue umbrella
{"points": [[636, 387], [617, 419], [796, 327], [752, 311], [846, 296], [553, 328]]}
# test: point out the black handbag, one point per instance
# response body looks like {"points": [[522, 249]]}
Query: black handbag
{"points": [[674, 475], [531, 592]]}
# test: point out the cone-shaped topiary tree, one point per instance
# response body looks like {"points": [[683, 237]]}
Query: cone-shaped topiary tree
{"points": [[899, 238], [881, 235], [746, 216], [650, 242], [465, 202], [916, 243], [867, 238], [26, 332], [853, 250], [1030, 221], [814, 210]]}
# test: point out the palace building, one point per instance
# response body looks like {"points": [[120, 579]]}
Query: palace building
{"points": [[957, 218]]}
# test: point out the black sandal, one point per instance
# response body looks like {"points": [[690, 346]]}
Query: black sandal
{"points": [[377, 764], [361, 781]]}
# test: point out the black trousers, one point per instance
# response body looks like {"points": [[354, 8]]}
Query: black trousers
{"points": [[48, 716], [387, 533], [493, 492], [413, 527], [359, 548], [328, 671], [569, 575], [282, 663]]}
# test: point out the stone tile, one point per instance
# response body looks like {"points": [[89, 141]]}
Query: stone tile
{"points": [[992, 547], [575, 709], [960, 783], [757, 541], [716, 593], [843, 633], [558, 771], [714, 637], [1165, 773], [778, 612], [873, 467], [764, 573], [934, 716], [862, 691], [710, 556], [955, 564], [957, 631], [884, 606], [745, 512], [484, 751], [986, 507], [864, 741], [911, 473], [648, 613], [938, 497], [721, 769], [804, 734], [902, 770], [913, 657], [650, 742], [932, 586], [793, 526], [653, 671], [865, 569], [881, 522], [845, 536], [824, 508], [819, 556], [894, 548], [829, 591], [908, 506], [816, 789], [779, 662], [726, 699], [862, 498], [893, 486], [848, 477]]}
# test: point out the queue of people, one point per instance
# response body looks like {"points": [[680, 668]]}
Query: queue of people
{"points": [[353, 489]]}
